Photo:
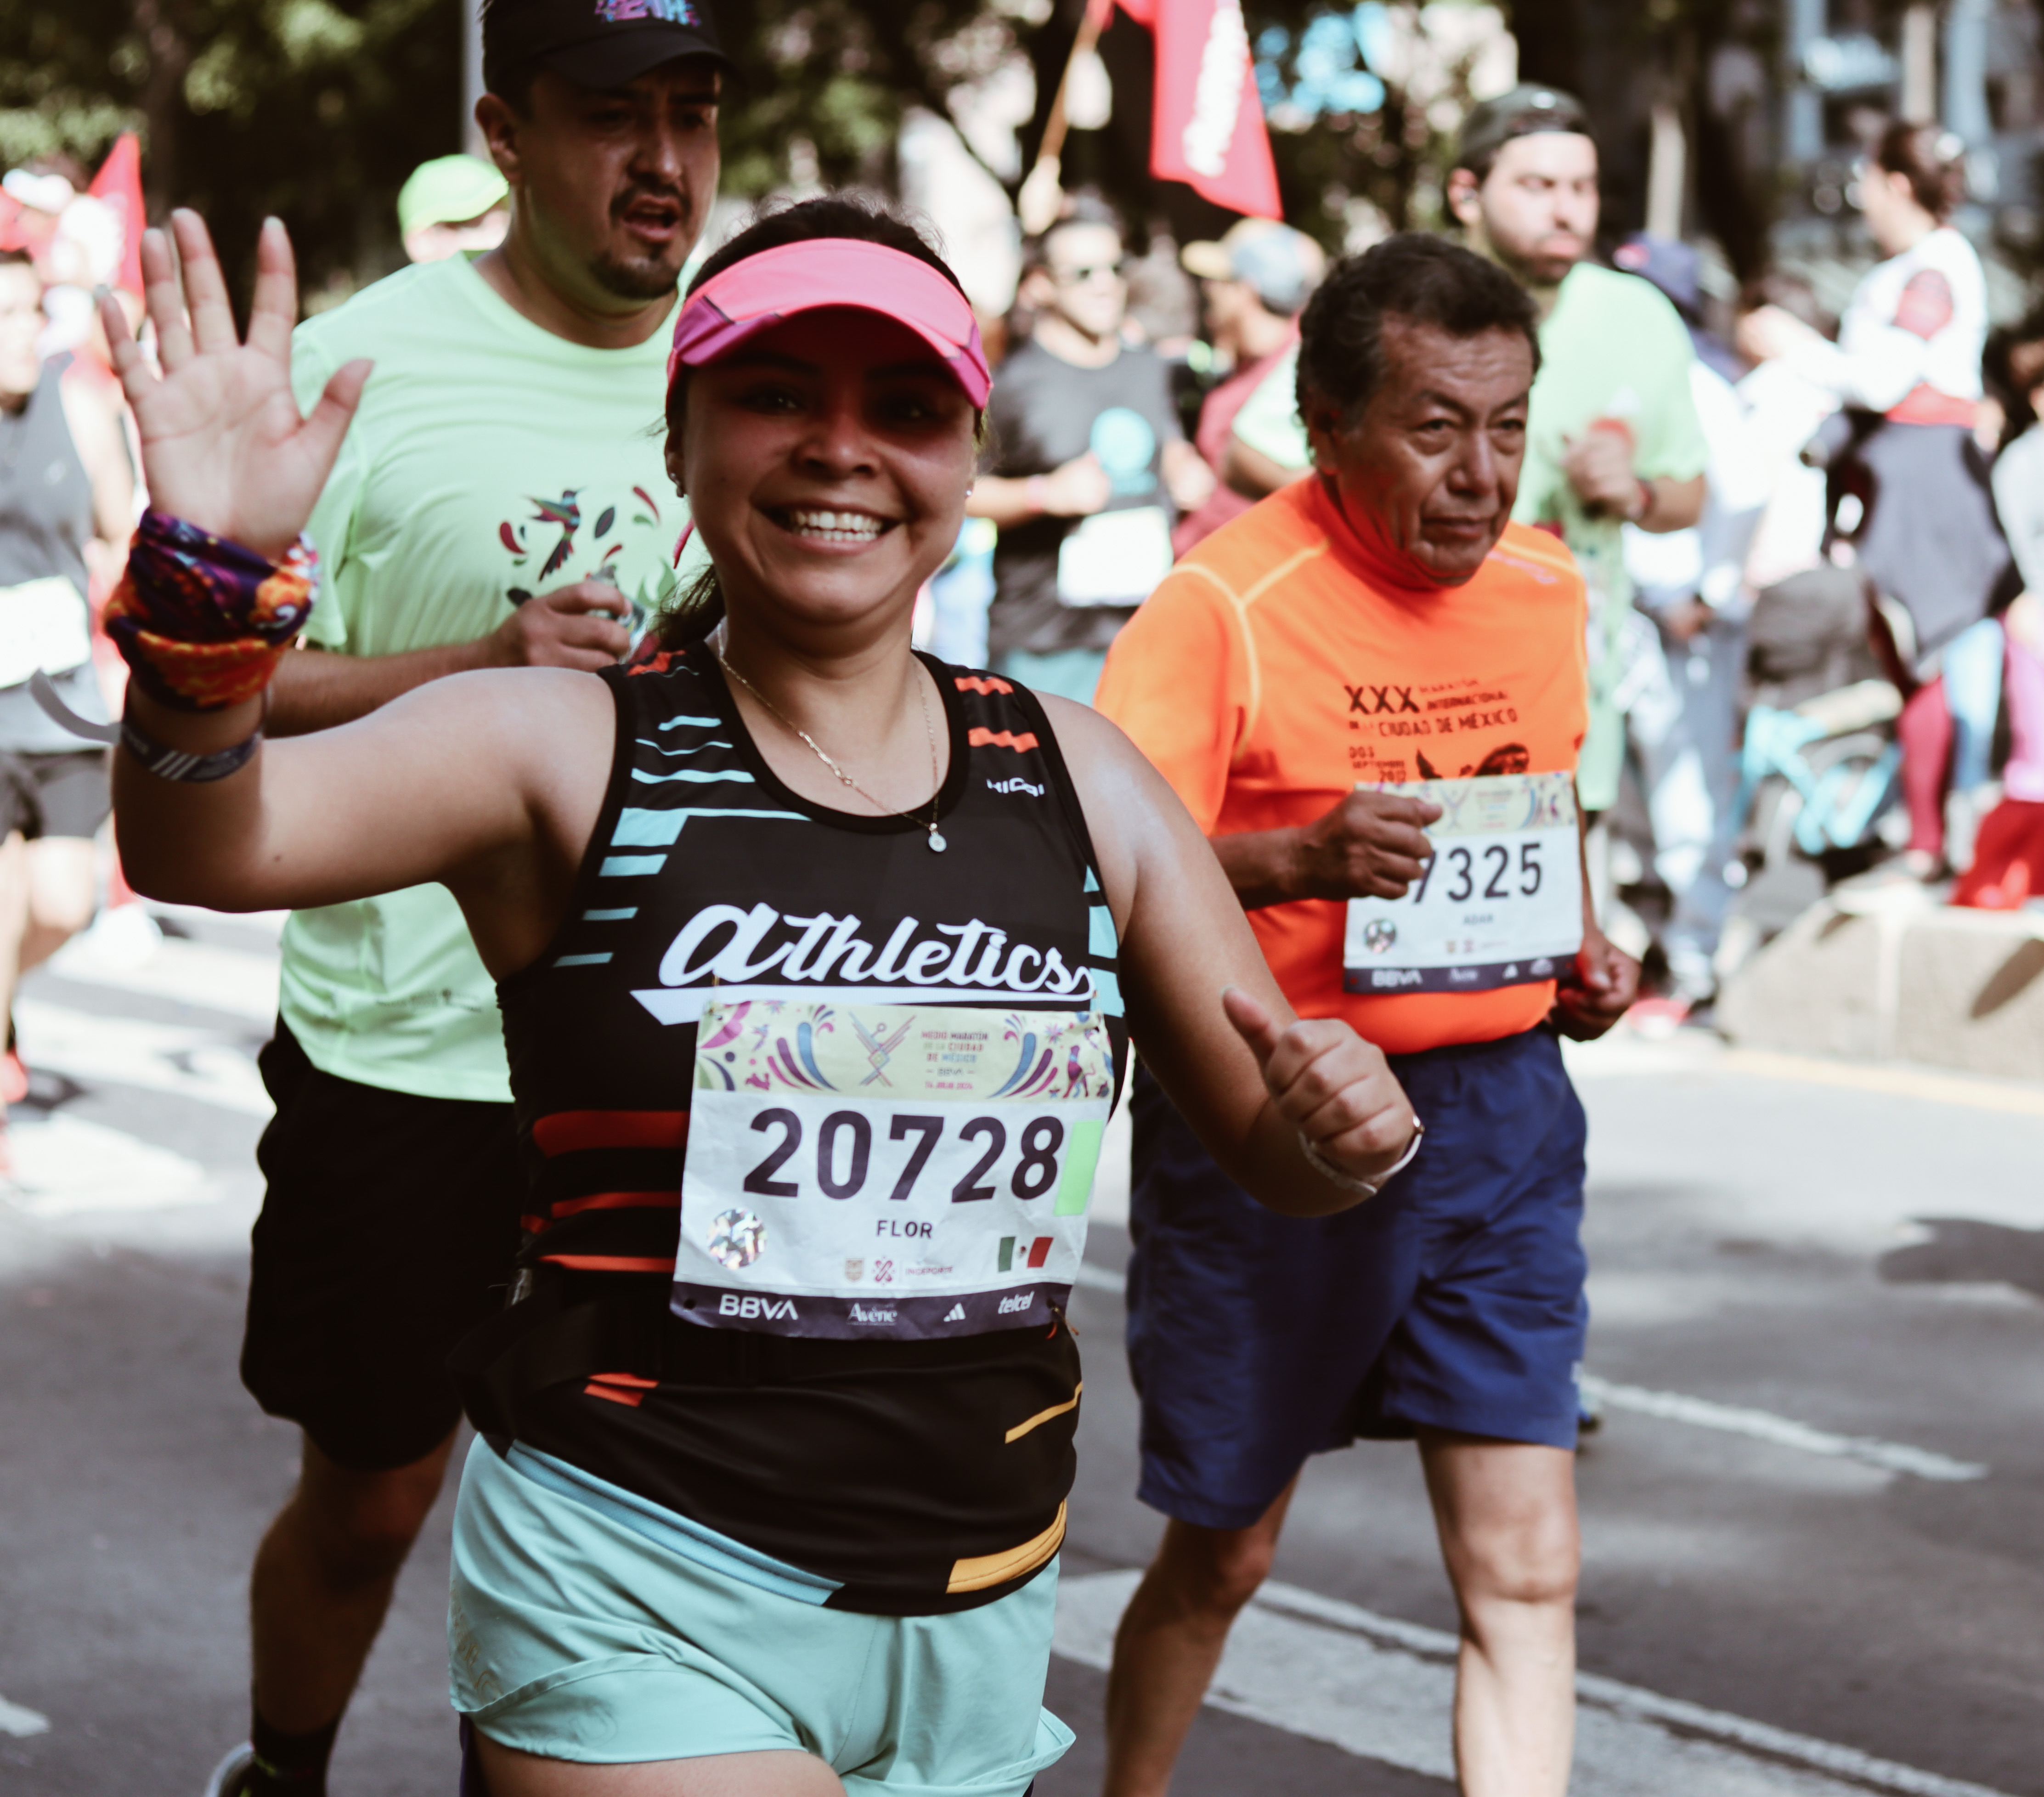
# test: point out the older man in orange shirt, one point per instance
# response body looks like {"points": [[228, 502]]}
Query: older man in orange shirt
{"points": [[1370, 692]]}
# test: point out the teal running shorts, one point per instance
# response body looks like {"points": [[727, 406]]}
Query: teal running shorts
{"points": [[585, 1624]]}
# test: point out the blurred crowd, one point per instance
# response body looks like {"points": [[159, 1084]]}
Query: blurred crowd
{"points": [[1833, 671], [1829, 675], [70, 494]]}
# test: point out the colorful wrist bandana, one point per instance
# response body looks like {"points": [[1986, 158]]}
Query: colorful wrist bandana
{"points": [[201, 621]]}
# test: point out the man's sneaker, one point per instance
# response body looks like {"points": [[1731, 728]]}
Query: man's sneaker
{"points": [[228, 1774]]}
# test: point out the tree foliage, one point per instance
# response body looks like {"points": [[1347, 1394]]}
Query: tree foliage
{"points": [[313, 109], [317, 109]]}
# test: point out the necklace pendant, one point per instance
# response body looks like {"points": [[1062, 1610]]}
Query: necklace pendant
{"points": [[936, 842]]}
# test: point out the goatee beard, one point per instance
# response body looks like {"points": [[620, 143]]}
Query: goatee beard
{"points": [[635, 280]]}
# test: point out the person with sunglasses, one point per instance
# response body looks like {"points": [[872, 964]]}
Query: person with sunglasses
{"points": [[819, 963], [1088, 468]]}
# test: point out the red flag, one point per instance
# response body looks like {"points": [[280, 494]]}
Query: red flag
{"points": [[119, 183], [1208, 129]]}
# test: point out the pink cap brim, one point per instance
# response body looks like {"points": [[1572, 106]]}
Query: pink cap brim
{"points": [[763, 291]]}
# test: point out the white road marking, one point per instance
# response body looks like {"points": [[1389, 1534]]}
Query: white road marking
{"points": [[222, 979], [1382, 1689], [16, 1719], [171, 1057], [64, 1164], [1763, 1426]]}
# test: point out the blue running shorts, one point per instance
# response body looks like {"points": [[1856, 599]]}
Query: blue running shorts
{"points": [[1452, 1300], [578, 1630]]}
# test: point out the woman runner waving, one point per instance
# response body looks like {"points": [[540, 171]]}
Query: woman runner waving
{"points": [[818, 962]]}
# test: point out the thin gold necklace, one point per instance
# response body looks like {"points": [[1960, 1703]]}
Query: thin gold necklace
{"points": [[937, 840]]}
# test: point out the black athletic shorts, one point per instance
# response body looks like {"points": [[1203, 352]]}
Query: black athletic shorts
{"points": [[59, 795], [386, 1234]]}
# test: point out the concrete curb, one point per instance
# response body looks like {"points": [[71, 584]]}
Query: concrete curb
{"points": [[1887, 974]]}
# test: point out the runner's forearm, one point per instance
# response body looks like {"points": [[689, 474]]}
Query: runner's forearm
{"points": [[1262, 866], [1007, 502], [314, 689], [1251, 473], [1672, 504], [184, 841], [1274, 1171]]}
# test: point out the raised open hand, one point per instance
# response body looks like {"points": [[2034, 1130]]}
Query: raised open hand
{"points": [[223, 445]]}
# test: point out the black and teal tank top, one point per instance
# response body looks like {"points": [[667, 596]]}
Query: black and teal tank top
{"points": [[811, 1112]]}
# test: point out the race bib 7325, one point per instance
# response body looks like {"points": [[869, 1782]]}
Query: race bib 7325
{"points": [[1499, 904]]}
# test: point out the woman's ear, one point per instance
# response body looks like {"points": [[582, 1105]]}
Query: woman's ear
{"points": [[673, 457]]}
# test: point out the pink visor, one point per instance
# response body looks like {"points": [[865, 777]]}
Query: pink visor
{"points": [[759, 293]]}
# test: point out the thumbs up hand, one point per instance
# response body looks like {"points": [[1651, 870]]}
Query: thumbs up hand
{"points": [[1336, 1089]]}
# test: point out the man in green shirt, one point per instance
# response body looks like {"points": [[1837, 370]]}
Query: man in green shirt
{"points": [[1612, 438], [499, 502]]}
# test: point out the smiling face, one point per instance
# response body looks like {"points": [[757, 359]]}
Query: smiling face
{"points": [[1083, 282], [826, 463], [1427, 475], [611, 188]]}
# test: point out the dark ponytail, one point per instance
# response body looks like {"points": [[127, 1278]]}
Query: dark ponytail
{"points": [[698, 609]]}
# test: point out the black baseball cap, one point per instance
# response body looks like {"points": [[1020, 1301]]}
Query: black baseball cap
{"points": [[600, 43], [1525, 109]]}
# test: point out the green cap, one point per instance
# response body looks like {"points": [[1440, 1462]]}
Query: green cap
{"points": [[449, 190]]}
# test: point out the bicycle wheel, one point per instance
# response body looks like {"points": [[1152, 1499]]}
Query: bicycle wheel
{"points": [[1857, 778]]}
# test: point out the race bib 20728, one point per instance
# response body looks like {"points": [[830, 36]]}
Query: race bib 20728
{"points": [[897, 1172]]}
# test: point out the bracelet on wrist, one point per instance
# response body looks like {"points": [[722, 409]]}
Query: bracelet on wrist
{"points": [[1036, 495], [201, 620], [1348, 1181], [183, 766], [1645, 503]]}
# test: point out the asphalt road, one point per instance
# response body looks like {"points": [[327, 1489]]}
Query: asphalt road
{"points": [[1814, 1521]]}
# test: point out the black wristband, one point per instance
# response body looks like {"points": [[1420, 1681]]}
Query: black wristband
{"points": [[181, 765]]}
